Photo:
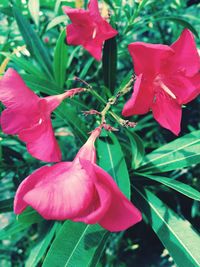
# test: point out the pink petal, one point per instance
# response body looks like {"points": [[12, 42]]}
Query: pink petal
{"points": [[101, 198], [94, 48], [78, 17], [88, 151], [167, 112], [14, 93], [106, 31], [77, 35], [141, 99], [186, 56], [61, 195], [121, 213], [184, 88], [25, 186], [33, 180], [94, 9], [149, 58], [15, 120], [41, 142]]}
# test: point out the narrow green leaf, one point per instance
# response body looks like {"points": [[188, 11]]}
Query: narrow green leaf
{"points": [[137, 149], [69, 115], [86, 68], [182, 188], [176, 234], [29, 216], [24, 64], [75, 245], [111, 159], [33, 42], [38, 251], [110, 63], [180, 21], [6, 205], [60, 60], [183, 152], [12, 229], [56, 21], [34, 9]]}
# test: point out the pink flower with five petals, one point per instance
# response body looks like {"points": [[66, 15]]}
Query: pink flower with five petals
{"points": [[167, 78], [29, 116], [88, 29], [79, 191]]}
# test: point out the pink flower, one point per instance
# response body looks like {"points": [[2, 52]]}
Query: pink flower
{"points": [[168, 76], [29, 116], [88, 29], [79, 191]]}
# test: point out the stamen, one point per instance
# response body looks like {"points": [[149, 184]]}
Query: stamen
{"points": [[40, 121], [167, 90], [94, 33]]}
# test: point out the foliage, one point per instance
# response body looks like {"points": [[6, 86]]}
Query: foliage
{"points": [[157, 169]]}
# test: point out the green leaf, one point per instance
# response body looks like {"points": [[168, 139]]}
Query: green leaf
{"points": [[41, 84], [24, 64], [54, 22], [180, 21], [29, 216], [38, 251], [6, 205], [137, 149], [34, 9], [182, 188], [69, 115], [111, 159], [183, 152], [60, 60], [176, 234], [12, 229], [75, 245], [33, 42], [110, 63]]}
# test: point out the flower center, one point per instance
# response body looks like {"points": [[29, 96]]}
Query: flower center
{"points": [[159, 83]]}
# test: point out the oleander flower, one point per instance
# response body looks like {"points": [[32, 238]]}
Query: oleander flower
{"points": [[29, 116], [88, 29], [167, 78], [79, 191]]}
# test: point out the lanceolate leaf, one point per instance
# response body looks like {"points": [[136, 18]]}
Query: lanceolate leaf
{"points": [[75, 245], [137, 149], [184, 189], [12, 229], [180, 21], [110, 63], [182, 152], [29, 216], [34, 44], [54, 22], [111, 159], [60, 59], [176, 234], [34, 9], [38, 251]]}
